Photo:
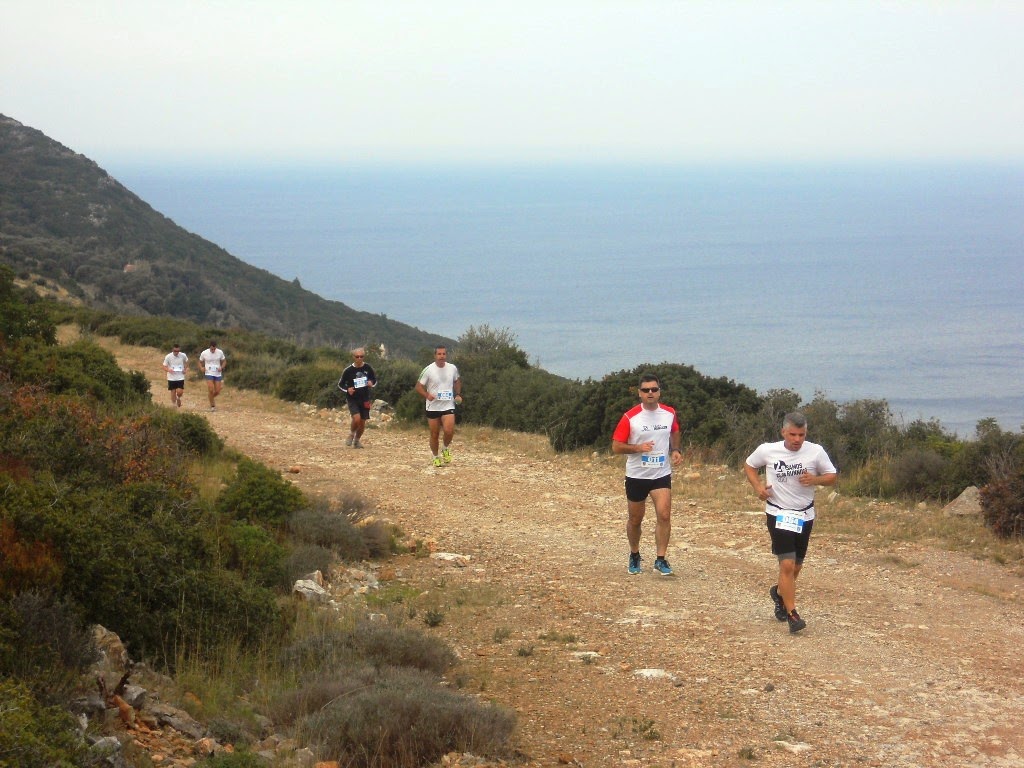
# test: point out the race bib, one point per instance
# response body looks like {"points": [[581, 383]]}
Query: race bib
{"points": [[213, 368], [652, 460], [445, 395], [787, 521], [177, 369], [359, 382]]}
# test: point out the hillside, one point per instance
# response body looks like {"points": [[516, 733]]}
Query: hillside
{"points": [[65, 222], [911, 656]]}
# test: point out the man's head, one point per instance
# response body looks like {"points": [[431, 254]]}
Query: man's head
{"points": [[440, 356], [794, 430], [649, 389], [358, 355], [176, 348], [213, 343]]}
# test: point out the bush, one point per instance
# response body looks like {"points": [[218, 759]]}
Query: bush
{"points": [[258, 494], [705, 406], [254, 553], [920, 472], [329, 526], [189, 430], [387, 646], [45, 643], [33, 735], [1002, 503], [305, 559], [405, 721], [309, 383]]}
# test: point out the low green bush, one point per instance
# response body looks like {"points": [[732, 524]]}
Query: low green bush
{"points": [[259, 494], [255, 554], [45, 643], [34, 735]]}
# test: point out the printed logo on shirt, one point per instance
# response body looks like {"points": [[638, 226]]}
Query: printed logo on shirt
{"points": [[784, 471]]}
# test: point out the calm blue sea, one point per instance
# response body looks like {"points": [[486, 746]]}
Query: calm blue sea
{"points": [[904, 283]]}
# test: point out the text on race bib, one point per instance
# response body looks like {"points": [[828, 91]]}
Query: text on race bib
{"points": [[445, 394], [652, 459], [359, 381], [787, 521]]}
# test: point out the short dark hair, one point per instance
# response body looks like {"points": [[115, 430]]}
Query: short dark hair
{"points": [[794, 419], [650, 377], [440, 347]]}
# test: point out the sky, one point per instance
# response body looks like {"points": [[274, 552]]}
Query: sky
{"points": [[485, 81]]}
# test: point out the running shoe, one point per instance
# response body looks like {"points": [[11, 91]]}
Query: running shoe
{"points": [[356, 444], [795, 622], [780, 607], [437, 461], [447, 456], [634, 563], [661, 566], [350, 440]]}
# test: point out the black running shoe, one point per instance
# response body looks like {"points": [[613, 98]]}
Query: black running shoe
{"points": [[795, 622], [780, 607]]}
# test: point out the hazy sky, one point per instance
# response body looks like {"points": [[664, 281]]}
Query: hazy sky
{"points": [[480, 80]]}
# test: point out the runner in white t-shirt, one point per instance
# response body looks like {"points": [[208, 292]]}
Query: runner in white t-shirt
{"points": [[440, 386], [213, 362], [176, 365], [793, 469], [648, 434]]}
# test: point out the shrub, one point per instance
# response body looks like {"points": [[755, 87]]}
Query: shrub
{"points": [[329, 526], [45, 643], [33, 735], [920, 472], [309, 383], [259, 495], [189, 430], [304, 559], [254, 553], [404, 720], [1002, 503]]}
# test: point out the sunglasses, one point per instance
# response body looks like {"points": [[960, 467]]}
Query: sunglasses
{"points": [[650, 389]]}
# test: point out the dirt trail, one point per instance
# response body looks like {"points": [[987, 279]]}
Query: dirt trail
{"points": [[912, 657]]}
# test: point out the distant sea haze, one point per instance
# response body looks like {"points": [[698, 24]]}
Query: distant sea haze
{"points": [[904, 283]]}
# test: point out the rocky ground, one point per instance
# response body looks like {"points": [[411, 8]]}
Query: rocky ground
{"points": [[912, 655]]}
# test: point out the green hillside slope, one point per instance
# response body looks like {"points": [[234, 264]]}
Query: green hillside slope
{"points": [[65, 220]]}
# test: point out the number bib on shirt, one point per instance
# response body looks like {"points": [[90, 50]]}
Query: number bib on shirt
{"points": [[445, 395], [177, 369], [652, 460], [787, 521], [359, 382]]}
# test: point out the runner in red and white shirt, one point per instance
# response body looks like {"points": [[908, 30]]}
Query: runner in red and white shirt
{"points": [[648, 434]]}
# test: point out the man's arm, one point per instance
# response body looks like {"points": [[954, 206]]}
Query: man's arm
{"points": [[620, 447], [762, 490], [827, 479]]}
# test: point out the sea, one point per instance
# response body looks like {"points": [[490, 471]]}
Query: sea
{"points": [[902, 282]]}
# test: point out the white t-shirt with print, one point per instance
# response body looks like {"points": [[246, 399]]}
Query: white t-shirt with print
{"points": [[783, 468]]}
